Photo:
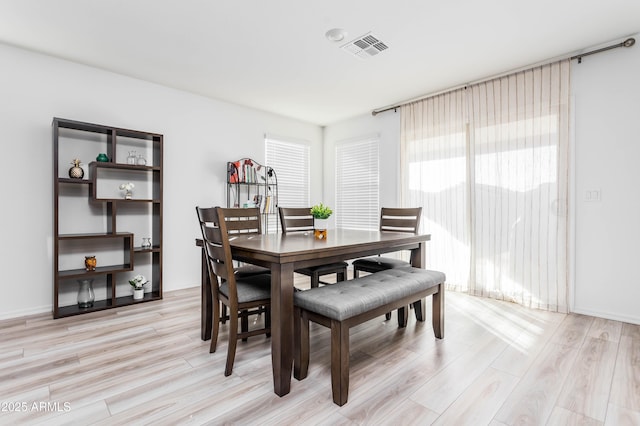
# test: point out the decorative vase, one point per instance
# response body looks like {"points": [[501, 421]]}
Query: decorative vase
{"points": [[132, 158], [128, 194], [90, 263], [85, 293], [76, 171], [146, 243], [141, 161], [320, 229], [102, 158], [138, 293]]}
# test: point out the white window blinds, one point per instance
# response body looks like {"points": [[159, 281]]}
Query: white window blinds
{"points": [[357, 184], [290, 160]]}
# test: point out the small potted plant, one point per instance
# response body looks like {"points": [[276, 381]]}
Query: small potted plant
{"points": [[128, 190], [138, 283], [320, 213]]}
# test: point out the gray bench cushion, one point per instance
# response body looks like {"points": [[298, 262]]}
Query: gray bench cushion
{"points": [[351, 298]]}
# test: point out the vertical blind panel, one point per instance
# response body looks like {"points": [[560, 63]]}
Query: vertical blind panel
{"points": [[357, 185], [490, 164], [434, 148], [291, 162]]}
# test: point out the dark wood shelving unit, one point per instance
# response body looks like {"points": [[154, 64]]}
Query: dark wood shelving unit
{"points": [[91, 216]]}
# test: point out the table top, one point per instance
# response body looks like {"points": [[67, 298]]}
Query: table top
{"points": [[302, 248]]}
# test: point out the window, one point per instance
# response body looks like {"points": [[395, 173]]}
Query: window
{"points": [[357, 184], [291, 161]]}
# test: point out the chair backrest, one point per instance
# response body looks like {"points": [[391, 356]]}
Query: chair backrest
{"points": [[215, 235], [400, 219], [295, 219], [243, 220]]}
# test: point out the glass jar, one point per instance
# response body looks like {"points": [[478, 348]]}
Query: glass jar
{"points": [[132, 158], [146, 243], [86, 296], [140, 161]]}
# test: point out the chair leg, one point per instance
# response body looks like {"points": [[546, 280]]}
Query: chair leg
{"points": [[300, 344], [387, 316], [339, 362], [223, 317], [215, 329], [244, 323], [356, 272], [419, 309], [342, 275], [315, 280], [267, 318], [233, 342]]}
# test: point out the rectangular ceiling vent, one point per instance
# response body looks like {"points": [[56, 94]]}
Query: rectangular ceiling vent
{"points": [[365, 46]]}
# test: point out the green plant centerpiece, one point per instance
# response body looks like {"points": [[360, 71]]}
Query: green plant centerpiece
{"points": [[320, 213]]}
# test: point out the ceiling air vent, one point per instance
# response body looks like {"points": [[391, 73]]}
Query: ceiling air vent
{"points": [[365, 47]]}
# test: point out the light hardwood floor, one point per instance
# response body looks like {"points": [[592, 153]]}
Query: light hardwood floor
{"points": [[499, 364]]}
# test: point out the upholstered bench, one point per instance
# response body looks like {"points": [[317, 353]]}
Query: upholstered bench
{"points": [[353, 302]]}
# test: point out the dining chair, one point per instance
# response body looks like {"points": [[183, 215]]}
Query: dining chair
{"points": [[395, 220], [244, 221], [243, 296], [391, 220], [299, 219]]}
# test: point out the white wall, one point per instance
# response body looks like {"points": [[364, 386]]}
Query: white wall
{"points": [[607, 156], [200, 136], [387, 127]]}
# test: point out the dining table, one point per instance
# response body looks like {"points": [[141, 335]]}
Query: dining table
{"points": [[283, 254]]}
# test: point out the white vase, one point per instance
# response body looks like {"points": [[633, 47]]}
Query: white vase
{"points": [[138, 293]]}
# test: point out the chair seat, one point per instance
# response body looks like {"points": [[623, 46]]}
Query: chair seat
{"points": [[323, 269], [250, 289], [249, 270], [379, 263]]}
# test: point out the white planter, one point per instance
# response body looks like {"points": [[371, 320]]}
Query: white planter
{"points": [[320, 228], [138, 294]]}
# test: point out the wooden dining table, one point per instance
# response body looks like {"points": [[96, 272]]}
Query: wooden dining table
{"points": [[284, 253]]}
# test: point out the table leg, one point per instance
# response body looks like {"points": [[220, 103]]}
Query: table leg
{"points": [[206, 309], [282, 326], [418, 261]]}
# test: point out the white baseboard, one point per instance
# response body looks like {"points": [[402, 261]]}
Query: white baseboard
{"points": [[607, 315], [26, 312]]}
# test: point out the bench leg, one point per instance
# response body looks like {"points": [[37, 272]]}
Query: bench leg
{"points": [[300, 344], [437, 318], [403, 317], [419, 307], [339, 362]]}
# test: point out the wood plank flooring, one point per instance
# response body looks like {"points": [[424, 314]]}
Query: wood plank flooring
{"points": [[499, 364]]}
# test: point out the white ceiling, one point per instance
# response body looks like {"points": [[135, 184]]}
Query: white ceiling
{"points": [[272, 54]]}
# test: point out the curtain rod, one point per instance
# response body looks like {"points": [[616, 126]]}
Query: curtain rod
{"points": [[627, 43]]}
